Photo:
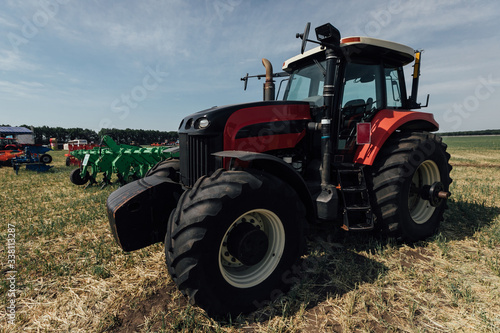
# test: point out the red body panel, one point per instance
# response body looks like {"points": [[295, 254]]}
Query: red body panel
{"points": [[71, 147], [273, 134], [6, 155], [384, 124]]}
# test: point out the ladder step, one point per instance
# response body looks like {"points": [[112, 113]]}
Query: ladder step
{"points": [[358, 208], [361, 226], [354, 189], [355, 195], [346, 165], [349, 171]]}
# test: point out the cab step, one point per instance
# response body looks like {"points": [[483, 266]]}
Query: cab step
{"points": [[357, 211]]}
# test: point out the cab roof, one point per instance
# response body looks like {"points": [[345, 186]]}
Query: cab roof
{"points": [[363, 49]]}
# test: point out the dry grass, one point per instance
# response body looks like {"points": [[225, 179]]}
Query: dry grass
{"points": [[71, 276]]}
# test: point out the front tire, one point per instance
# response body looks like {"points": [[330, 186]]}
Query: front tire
{"points": [[406, 167], [167, 168], [45, 158], [233, 239]]}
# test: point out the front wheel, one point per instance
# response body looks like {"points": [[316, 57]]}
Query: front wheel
{"points": [[76, 178], [167, 168], [409, 183], [233, 239], [45, 158]]}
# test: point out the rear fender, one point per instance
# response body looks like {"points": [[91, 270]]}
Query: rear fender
{"points": [[138, 211], [275, 166], [387, 122]]}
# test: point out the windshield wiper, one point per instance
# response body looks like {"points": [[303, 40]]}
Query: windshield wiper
{"points": [[320, 67]]}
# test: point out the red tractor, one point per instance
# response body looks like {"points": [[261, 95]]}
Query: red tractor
{"points": [[342, 147], [9, 149], [9, 144]]}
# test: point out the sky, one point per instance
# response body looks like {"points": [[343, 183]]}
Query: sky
{"points": [[148, 64]]}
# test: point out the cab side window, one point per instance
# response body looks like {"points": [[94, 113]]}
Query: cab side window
{"points": [[393, 89], [361, 89]]}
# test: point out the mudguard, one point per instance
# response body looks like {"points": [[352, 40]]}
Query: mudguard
{"points": [[387, 122], [276, 167], [138, 212]]}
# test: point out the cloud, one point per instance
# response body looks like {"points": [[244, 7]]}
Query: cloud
{"points": [[150, 28], [11, 90], [6, 23], [12, 61], [97, 50], [419, 20]]}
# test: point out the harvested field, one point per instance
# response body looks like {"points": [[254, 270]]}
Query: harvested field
{"points": [[69, 275]]}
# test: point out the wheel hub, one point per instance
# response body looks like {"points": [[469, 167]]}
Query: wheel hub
{"points": [[434, 193], [248, 244], [257, 242]]}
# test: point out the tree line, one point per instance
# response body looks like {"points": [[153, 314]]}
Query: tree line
{"points": [[138, 136], [481, 132], [43, 134]]}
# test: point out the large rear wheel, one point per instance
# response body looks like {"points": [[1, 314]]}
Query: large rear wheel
{"points": [[409, 185], [233, 239]]}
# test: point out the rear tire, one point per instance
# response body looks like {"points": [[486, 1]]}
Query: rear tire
{"points": [[405, 165], [233, 239]]}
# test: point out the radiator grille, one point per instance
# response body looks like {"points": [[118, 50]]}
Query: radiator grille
{"points": [[196, 158]]}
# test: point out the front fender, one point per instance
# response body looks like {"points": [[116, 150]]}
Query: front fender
{"points": [[277, 167], [138, 211]]}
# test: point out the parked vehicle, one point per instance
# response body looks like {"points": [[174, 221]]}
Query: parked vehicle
{"points": [[343, 147]]}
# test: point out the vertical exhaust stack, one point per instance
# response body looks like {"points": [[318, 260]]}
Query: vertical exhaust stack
{"points": [[269, 84], [414, 86]]}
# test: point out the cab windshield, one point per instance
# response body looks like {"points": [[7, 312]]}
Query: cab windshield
{"points": [[365, 87], [306, 84]]}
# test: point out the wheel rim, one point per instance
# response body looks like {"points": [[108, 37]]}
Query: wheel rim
{"points": [[420, 209], [241, 276]]}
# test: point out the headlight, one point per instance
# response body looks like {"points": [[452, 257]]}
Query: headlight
{"points": [[201, 123]]}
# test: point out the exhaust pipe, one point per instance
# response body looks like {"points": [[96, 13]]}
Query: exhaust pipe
{"points": [[269, 84], [414, 86]]}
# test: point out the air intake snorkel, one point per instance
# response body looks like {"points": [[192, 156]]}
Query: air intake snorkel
{"points": [[269, 84]]}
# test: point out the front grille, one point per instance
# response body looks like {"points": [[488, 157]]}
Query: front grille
{"points": [[196, 158]]}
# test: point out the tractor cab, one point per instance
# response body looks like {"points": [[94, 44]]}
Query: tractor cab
{"points": [[372, 79], [372, 73], [9, 144]]}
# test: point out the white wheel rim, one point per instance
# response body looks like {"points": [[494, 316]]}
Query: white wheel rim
{"points": [[420, 209], [241, 276]]}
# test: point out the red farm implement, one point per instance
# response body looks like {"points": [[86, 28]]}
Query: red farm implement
{"points": [[76, 145], [7, 155]]}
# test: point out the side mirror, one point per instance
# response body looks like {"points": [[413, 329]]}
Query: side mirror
{"points": [[304, 37]]}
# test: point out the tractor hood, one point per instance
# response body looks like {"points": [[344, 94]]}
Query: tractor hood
{"points": [[213, 121]]}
